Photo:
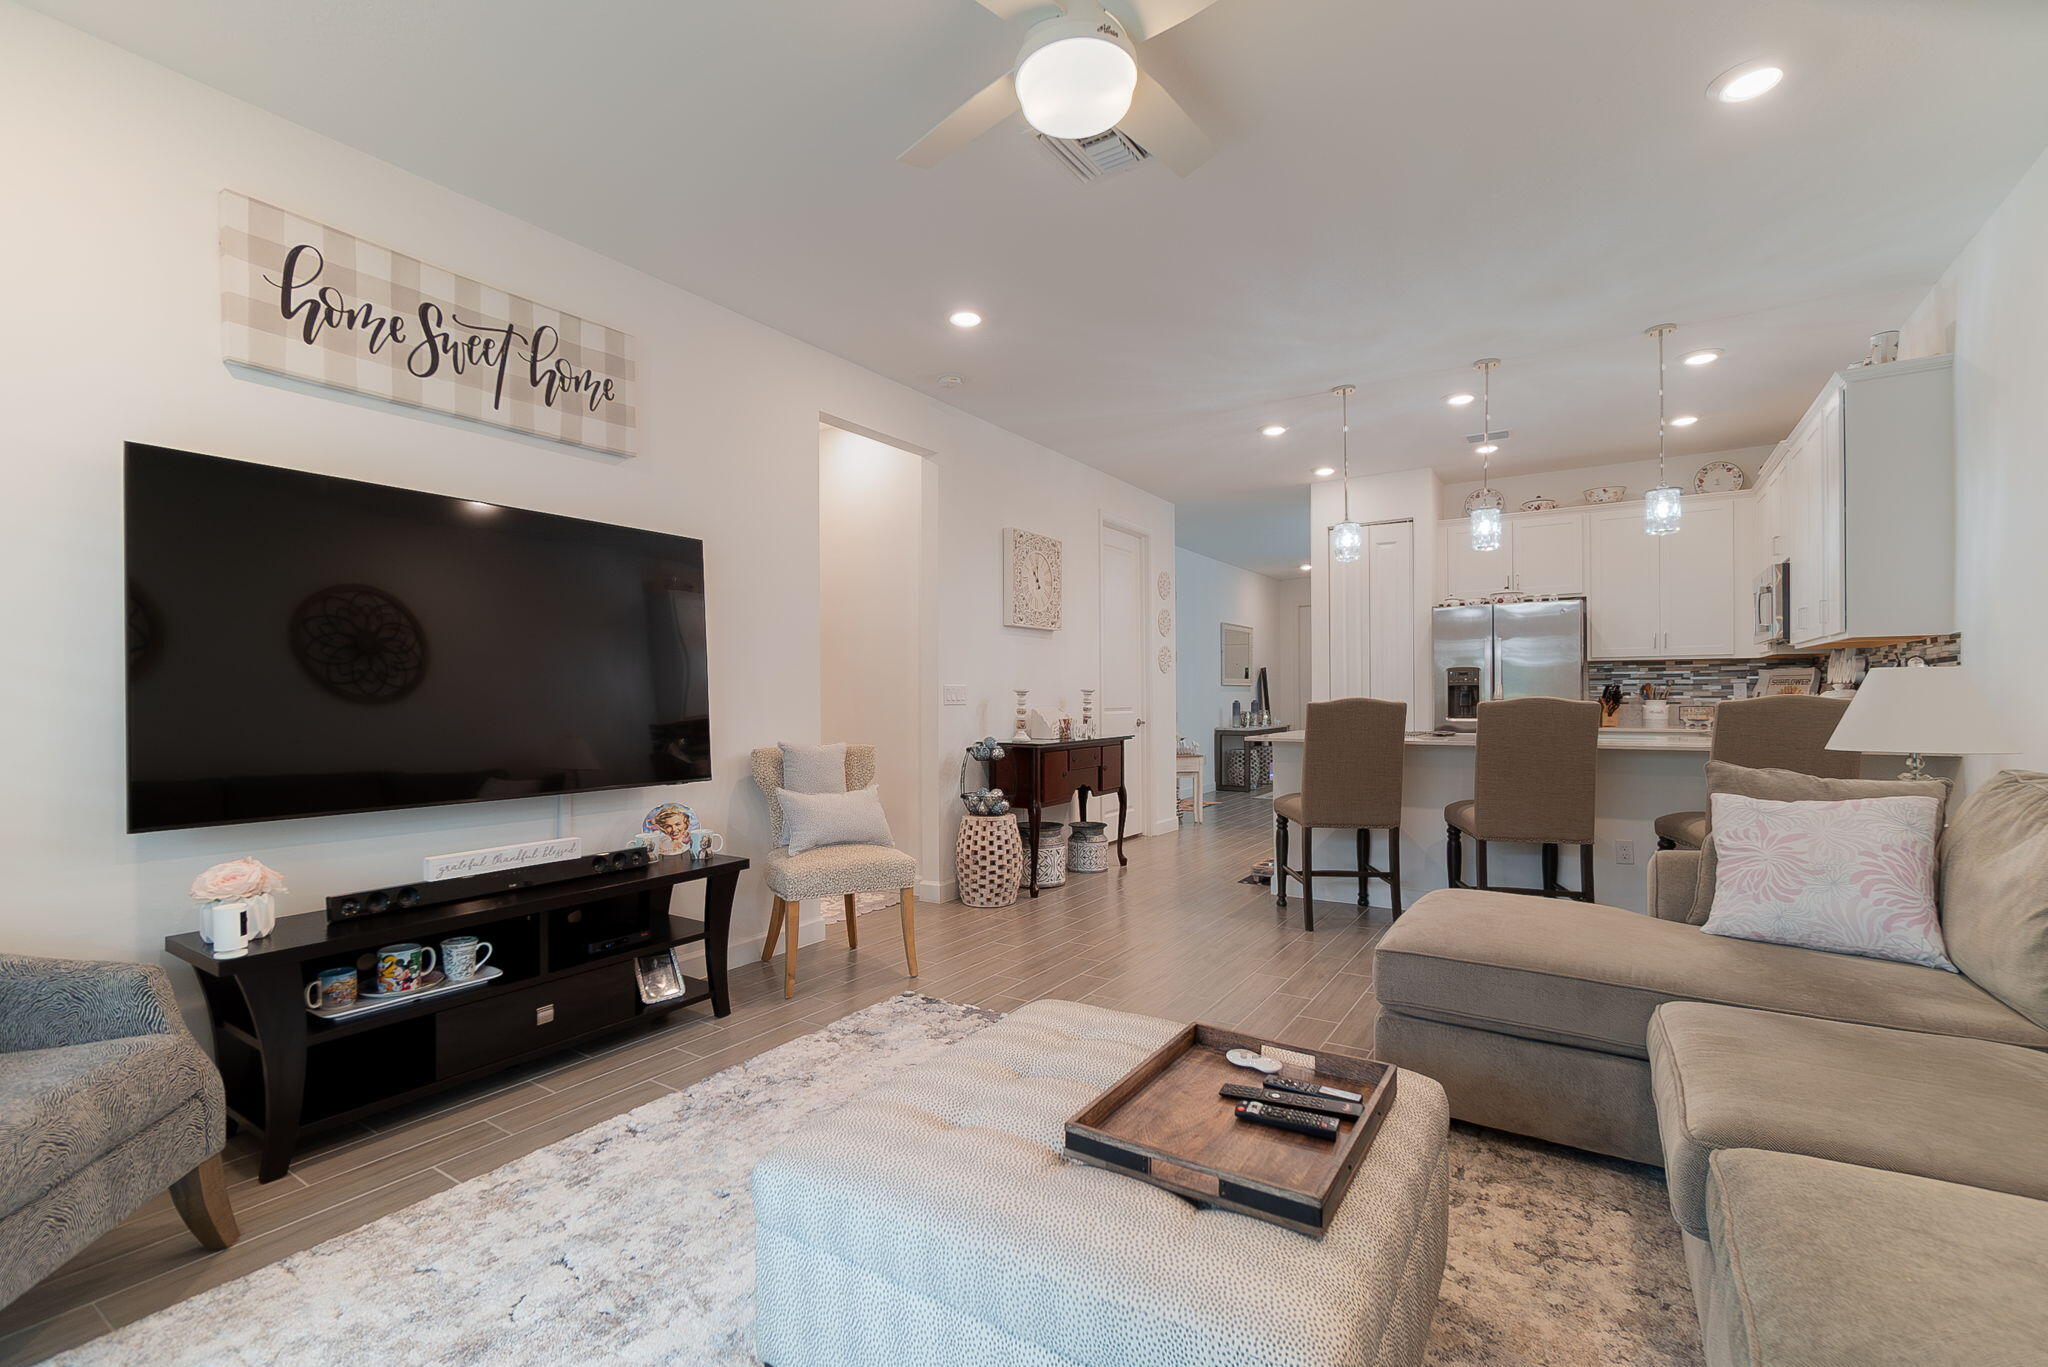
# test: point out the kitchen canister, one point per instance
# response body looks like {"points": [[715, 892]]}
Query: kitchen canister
{"points": [[988, 860], [1052, 855], [1088, 847]]}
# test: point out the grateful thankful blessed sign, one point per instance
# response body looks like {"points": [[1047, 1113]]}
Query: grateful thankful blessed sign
{"points": [[313, 303]]}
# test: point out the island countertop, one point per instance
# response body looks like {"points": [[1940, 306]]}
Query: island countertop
{"points": [[1611, 738]]}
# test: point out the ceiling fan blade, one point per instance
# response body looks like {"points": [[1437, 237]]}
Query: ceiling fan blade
{"points": [[996, 101], [1158, 124], [1155, 17], [1016, 9]]}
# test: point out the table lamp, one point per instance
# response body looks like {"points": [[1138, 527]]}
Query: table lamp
{"points": [[1916, 710]]}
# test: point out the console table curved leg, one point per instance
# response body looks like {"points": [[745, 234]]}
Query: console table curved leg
{"points": [[277, 1008], [1031, 863], [717, 929], [1123, 805]]}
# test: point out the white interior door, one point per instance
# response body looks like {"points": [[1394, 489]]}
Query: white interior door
{"points": [[1127, 649], [1304, 664]]}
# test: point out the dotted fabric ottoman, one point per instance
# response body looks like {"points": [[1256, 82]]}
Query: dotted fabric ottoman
{"points": [[933, 1221]]}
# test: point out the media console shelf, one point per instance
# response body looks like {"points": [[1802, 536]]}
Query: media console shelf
{"points": [[565, 951]]}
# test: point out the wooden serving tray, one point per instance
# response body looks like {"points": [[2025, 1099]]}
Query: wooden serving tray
{"points": [[1165, 1123]]}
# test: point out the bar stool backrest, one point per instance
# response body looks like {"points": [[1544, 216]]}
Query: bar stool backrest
{"points": [[1351, 760], [1788, 732], [1534, 779]]}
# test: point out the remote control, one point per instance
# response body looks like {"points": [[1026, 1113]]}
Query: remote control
{"points": [[1288, 1084], [1322, 1105], [1288, 1118]]}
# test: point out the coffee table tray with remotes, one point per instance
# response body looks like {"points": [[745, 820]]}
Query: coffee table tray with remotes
{"points": [[1166, 1122]]}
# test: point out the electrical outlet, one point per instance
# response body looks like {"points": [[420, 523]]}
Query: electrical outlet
{"points": [[953, 695], [1624, 852]]}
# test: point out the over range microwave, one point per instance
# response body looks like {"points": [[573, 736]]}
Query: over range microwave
{"points": [[1771, 606]]}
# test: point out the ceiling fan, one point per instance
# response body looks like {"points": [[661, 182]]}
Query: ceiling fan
{"points": [[1076, 76]]}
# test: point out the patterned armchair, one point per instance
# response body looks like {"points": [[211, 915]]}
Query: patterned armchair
{"points": [[105, 1100]]}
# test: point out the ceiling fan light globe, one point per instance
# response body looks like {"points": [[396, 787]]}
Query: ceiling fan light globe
{"points": [[1076, 87]]}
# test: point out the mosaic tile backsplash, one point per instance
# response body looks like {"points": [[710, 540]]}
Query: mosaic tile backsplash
{"points": [[1714, 680]]}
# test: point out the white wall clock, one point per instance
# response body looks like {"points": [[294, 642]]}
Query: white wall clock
{"points": [[1031, 580], [1165, 622]]}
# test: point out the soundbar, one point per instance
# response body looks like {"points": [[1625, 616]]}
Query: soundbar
{"points": [[350, 906]]}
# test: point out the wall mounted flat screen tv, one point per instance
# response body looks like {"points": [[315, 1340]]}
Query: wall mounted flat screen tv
{"points": [[301, 645]]}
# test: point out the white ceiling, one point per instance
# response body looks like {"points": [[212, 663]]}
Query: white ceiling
{"points": [[1400, 186]]}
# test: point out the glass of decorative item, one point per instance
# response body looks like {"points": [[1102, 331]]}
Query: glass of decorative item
{"points": [[1485, 529], [1661, 510]]}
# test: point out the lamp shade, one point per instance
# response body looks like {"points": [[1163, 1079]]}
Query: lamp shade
{"points": [[1920, 710]]}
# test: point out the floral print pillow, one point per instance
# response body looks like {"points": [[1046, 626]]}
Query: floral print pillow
{"points": [[1853, 877]]}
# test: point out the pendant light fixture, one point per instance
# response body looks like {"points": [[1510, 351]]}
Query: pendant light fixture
{"points": [[1661, 508], [1347, 538], [1485, 516]]}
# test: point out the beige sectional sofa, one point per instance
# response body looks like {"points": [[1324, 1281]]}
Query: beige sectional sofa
{"points": [[1856, 1149]]}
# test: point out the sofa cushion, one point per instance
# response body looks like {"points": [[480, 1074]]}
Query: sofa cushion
{"points": [[1994, 891], [1827, 1264], [1957, 1110], [63, 1109], [1590, 975]]}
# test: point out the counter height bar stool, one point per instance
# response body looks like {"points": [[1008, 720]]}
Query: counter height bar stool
{"points": [[1786, 732], [1532, 785], [1351, 758]]}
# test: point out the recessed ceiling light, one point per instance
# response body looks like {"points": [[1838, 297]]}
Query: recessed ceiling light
{"points": [[1486, 448], [1685, 420], [1325, 471], [1745, 82], [965, 318], [951, 381], [1458, 400], [1272, 429], [1306, 568], [1704, 356]]}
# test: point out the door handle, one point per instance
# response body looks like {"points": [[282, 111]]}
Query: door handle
{"points": [[1140, 722]]}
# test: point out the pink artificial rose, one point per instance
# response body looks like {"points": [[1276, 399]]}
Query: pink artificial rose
{"points": [[236, 879]]}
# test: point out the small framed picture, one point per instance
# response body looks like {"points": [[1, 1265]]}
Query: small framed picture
{"points": [[1771, 683], [660, 979]]}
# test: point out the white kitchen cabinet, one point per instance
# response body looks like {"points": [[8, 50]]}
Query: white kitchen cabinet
{"points": [[1475, 574], [1623, 607], [1651, 597], [1549, 553]]}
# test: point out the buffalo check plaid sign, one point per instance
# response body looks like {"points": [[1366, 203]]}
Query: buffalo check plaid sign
{"points": [[313, 303]]}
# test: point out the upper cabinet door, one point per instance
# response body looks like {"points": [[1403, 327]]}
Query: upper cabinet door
{"points": [[1697, 579], [1832, 551], [1476, 574], [1550, 553], [1622, 608]]}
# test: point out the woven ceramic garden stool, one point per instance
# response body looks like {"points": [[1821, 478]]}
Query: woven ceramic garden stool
{"points": [[933, 1220], [988, 861]]}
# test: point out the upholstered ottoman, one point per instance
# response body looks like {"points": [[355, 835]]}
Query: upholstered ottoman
{"points": [[934, 1221]]}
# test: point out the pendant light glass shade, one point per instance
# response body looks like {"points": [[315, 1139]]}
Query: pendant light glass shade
{"points": [[1485, 529], [1661, 510], [1347, 538]]}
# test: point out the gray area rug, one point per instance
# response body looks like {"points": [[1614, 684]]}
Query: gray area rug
{"points": [[632, 1243]]}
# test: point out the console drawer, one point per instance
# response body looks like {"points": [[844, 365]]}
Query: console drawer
{"points": [[528, 1018]]}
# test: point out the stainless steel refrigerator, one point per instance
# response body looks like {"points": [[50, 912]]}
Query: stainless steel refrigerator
{"points": [[1507, 650]]}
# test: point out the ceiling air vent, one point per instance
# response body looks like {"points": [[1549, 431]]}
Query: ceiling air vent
{"points": [[1105, 154]]}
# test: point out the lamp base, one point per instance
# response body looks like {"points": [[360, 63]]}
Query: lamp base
{"points": [[1916, 768]]}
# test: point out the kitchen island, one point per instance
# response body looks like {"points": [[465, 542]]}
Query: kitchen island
{"points": [[1639, 776]]}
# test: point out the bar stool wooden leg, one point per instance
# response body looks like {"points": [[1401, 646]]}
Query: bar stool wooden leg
{"points": [[1454, 855], [1394, 869], [1550, 884], [910, 928], [774, 931], [1279, 860], [1308, 878], [1364, 862], [1585, 873], [1481, 861], [852, 923]]}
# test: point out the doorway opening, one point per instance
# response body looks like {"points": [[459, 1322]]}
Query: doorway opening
{"points": [[1127, 654]]}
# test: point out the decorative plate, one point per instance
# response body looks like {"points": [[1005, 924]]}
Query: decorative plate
{"points": [[1165, 622], [671, 821], [1718, 477], [1165, 658], [1165, 584], [1607, 493], [1485, 498], [1543, 503]]}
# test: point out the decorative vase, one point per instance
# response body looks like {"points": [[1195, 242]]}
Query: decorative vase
{"points": [[262, 915], [988, 861], [1088, 847]]}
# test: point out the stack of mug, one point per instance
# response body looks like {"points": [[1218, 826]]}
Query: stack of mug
{"points": [[399, 969]]}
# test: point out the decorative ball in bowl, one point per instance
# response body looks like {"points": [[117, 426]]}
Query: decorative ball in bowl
{"points": [[1607, 493]]}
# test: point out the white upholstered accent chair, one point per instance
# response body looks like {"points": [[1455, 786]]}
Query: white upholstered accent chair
{"points": [[842, 871]]}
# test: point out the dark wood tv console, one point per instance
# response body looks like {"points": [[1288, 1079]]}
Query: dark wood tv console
{"points": [[565, 979]]}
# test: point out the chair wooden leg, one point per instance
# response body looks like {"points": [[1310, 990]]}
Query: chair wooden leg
{"points": [[1550, 884], [910, 928], [201, 1197], [1394, 870], [795, 924], [1364, 862], [1308, 878], [1454, 855], [1479, 862], [852, 922], [774, 931], [1279, 860], [1585, 873]]}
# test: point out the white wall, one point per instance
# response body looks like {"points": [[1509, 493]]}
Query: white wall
{"points": [[1568, 487], [1208, 593], [113, 168], [1989, 310]]}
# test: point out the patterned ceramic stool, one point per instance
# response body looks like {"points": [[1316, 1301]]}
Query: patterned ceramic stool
{"points": [[933, 1221], [1052, 854], [1088, 847], [988, 860]]}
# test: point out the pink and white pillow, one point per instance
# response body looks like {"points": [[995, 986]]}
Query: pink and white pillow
{"points": [[1854, 877]]}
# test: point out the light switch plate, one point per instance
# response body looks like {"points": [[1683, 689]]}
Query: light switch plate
{"points": [[953, 695], [1624, 852]]}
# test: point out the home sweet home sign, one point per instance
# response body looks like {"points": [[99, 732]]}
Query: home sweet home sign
{"points": [[310, 302]]}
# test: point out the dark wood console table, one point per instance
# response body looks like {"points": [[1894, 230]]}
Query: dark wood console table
{"points": [[1036, 774], [566, 952]]}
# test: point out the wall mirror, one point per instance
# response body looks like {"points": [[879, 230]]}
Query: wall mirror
{"points": [[1237, 656]]}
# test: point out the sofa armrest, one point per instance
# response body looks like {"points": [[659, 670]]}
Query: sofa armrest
{"points": [[48, 1003], [1673, 875]]}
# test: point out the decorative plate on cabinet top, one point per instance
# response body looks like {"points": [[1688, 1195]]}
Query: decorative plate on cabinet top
{"points": [[1542, 503], [1718, 477], [1485, 498], [1165, 622], [1607, 493], [1165, 584]]}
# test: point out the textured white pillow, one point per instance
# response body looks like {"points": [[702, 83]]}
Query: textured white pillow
{"points": [[810, 820], [813, 768], [1853, 877]]}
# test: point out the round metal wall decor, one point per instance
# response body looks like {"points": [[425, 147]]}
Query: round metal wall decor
{"points": [[1165, 658], [1165, 622], [359, 643], [1165, 584]]}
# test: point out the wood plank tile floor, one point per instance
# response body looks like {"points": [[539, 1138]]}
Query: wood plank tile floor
{"points": [[1174, 934]]}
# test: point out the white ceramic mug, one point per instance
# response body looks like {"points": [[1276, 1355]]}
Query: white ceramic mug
{"points": [[703, 842], [462, 956]]}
